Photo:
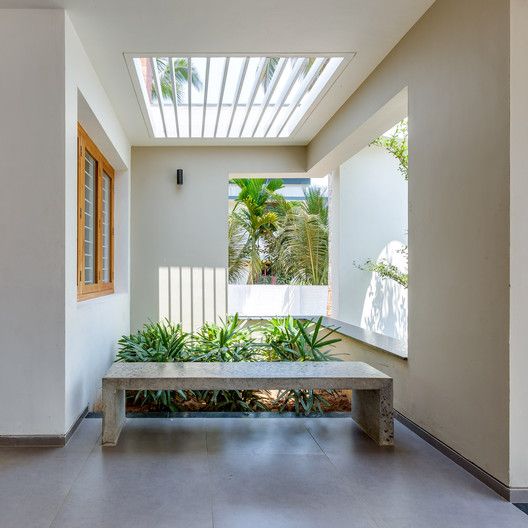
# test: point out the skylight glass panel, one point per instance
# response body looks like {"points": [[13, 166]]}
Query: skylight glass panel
{"points": [[231, 96]]}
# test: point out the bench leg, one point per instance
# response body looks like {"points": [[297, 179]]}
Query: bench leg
{"points": [[372, 410], [113, 413]]}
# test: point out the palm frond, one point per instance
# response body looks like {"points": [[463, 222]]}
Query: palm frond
{"points": [[180, 68]]}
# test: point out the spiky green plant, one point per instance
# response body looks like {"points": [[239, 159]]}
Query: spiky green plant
{"points": [[156, 342], [292, 339], [231, 340], [160, 343], [228, 341]]}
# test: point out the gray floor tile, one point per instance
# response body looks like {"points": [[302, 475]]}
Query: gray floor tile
{"points": [[35, 481], [269, 490], [411, 483], [250, 473], [254, 436], [163, 434], [157, 476]]}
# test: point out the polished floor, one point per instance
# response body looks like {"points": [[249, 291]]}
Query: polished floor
{"points": [[243, 472]]}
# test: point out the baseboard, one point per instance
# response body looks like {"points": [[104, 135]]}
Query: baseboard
{"points": [[518, 495], [42, 440]]}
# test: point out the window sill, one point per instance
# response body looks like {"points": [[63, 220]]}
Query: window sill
{"points": [[94, 295], [389, 345]]}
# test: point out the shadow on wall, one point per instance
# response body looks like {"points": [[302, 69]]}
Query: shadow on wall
{"points": [[192, 296], [385, 306]]}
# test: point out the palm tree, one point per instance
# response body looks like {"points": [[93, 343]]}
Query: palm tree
{"points": [[301, 251], [237, 251], [271, 65], [180, 66], [253, 215]]}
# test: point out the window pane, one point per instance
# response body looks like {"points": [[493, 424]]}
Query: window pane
{"points": [[89, 218], [106, 227]]}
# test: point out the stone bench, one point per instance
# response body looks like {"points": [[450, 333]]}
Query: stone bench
{"points": [[371, 389]]}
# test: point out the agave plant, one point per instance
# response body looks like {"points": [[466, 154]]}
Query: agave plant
{"points": [[226, 342], [156, 342], [285, 339], [299, 340]]}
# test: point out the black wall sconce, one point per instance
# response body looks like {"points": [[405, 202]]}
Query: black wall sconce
{"points": [[179, 177]]}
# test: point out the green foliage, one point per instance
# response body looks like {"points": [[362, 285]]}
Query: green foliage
{"points": [[226, 342], [292, 339], [156, 342], [237, 249], [386, 270], [300, 251], [398, 145], [181, 78], [298, 340], [287, 239], [284, 339], [229, 341], [253, 221]]}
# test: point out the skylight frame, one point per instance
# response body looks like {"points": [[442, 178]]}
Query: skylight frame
{"points": [[207, 106]]}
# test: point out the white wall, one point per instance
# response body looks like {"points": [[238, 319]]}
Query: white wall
{"points": [[93, 326], [32, 222], [372, 225], [266, 300], [187, 225], [53, 349], [518, 243], [455, 63]]}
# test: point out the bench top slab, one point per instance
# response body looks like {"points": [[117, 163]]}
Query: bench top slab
{"points": [[263, 375], [245, 369]]}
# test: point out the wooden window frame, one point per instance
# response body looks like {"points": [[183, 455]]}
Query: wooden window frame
{"points": [[99, 288]]}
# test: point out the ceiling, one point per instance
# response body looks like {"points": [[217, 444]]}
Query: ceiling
{"points": [[109, 29]]}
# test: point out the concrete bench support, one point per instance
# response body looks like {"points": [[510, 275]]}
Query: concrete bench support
{"points": [[113, 412], [372, 411], [371, 389]]}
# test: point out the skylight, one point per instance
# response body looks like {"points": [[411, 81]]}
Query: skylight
{"points": [[231, 96]]}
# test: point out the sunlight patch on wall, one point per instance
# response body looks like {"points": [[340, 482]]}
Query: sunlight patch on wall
{"points": [[386, 305], [192, 296]]}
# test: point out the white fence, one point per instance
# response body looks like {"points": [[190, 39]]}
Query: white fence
{"points": [[268, 300], [193, 296]]}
